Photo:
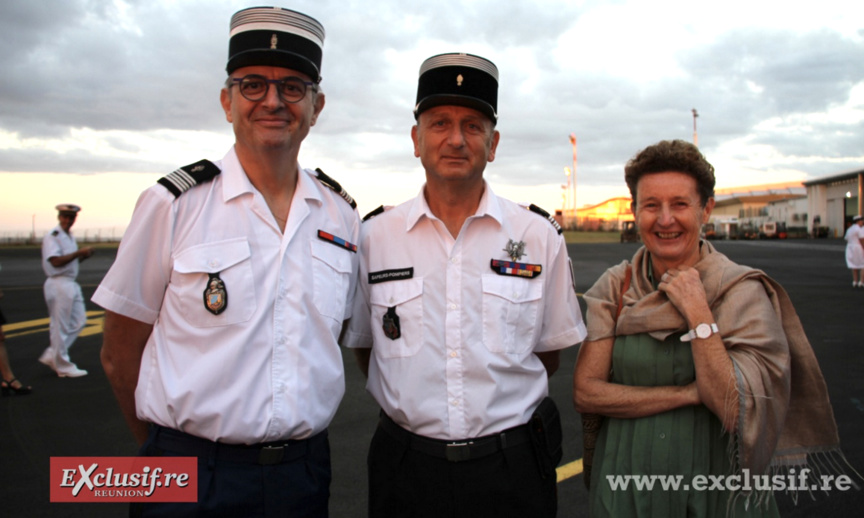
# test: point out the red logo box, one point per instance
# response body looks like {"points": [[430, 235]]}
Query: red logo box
{"points": [[124, 479]]}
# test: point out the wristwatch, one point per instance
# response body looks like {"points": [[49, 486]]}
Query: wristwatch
{"points": [[702, 331]]}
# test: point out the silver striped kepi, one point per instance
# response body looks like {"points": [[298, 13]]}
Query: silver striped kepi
{"points": [[276, 37], [458, 79]]}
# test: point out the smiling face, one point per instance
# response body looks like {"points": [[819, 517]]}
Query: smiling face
{"points": [[270, 123], [454, 143], [670, 215]]}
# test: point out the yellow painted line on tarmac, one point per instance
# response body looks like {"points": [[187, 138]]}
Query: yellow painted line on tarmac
{"points": [[569, 470], [95, 319]]}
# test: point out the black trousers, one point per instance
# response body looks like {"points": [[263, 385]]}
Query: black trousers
{"points": [[234, 483], [407, 483]]}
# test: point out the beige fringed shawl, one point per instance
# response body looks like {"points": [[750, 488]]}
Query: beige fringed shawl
{"points": [[785, 417]]}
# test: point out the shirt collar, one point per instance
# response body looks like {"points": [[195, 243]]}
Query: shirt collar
{"points": [[236, 183], [489, 206]]}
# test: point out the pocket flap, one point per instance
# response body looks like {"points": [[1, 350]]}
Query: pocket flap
{"points": [[514, 289], [394, 293], [212, 257], [337, 258]]}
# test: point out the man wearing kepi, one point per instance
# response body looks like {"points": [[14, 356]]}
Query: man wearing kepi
{"points": [[230, 289], [60, 259], [464, 303]]}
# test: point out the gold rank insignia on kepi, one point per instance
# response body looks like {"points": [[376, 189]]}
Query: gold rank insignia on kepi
{"points": [[215, 296]]}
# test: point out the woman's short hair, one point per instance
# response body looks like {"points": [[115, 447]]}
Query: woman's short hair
{"points": [[671, 155]]}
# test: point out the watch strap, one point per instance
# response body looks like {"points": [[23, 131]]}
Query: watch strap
{"points": [[690, 335]]}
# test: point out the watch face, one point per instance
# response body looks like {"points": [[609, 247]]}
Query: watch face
{"points": [[703, 331]]}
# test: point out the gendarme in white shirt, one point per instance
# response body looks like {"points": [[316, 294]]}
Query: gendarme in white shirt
{"points": [[464, 365], [268, 367]]}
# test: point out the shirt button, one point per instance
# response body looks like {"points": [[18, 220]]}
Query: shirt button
{"points": [[453, 306], [454, 354], [454, 403], [214, 263], [391, 300], [662, 435]]}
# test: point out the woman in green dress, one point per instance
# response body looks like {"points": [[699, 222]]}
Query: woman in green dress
{"points": [[689, 360]]}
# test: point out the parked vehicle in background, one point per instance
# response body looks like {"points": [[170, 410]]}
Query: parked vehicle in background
{"points": [[629, 233], [709, 232], [768, 230]]}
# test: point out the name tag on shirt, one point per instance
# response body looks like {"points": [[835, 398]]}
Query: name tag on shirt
{"points": [[391, 275]]}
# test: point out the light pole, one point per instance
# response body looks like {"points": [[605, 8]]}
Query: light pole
{"points": [[575, 215], [695, 135], [566, 194]]}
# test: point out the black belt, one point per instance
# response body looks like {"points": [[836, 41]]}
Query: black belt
{"points": [[263, 453], [456, 451]]}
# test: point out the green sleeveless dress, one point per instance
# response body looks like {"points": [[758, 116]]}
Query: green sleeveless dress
{"points": [[684, 442]]}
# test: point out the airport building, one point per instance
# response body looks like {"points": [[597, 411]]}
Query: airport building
{"points": [[822, 207]]}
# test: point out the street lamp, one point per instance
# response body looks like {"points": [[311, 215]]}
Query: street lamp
{"points": [[695, 136], [566, 188], [573, 143]]}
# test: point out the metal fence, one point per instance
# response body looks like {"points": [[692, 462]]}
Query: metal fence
{"points": [[85, 235]]}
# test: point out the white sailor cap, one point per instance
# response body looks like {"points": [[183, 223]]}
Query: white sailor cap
{"points": [[68, 207]]}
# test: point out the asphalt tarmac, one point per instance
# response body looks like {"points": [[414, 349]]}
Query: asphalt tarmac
{"points": [[79, 417]]}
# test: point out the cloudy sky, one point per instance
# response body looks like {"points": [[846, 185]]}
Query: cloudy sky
{"points": [[100, 98]]}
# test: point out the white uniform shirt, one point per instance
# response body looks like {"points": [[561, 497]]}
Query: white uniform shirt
{"points": [[57, 243], [854, 251], [853, 234], [268, 367], [464, 365]]}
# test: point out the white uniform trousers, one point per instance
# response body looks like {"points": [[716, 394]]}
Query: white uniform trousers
{"points": [[66, 309]]}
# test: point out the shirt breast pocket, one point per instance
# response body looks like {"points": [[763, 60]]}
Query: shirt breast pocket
{"points": [[331, 271], [406, 300], [231, 260], [510, 307]]}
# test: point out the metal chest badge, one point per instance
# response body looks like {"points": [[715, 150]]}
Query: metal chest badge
{"points": [[390, 324], [215, 295], [515, 249]]}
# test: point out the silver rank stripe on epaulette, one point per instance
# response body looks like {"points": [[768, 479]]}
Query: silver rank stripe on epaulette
{"points": [[182, 180], [551, 219], [188, 176], [347, 197], [335, 187], [555, 224]]}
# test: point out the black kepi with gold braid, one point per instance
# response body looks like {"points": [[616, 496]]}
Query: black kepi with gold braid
{"points": [[276, 37], [461, 80]]}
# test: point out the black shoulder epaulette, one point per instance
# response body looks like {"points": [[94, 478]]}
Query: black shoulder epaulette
{"points": [[374, 213], [538, 210], [333, 184], [189, 176]]}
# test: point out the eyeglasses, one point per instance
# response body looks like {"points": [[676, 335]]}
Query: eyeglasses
{"points": [[254, 87]]}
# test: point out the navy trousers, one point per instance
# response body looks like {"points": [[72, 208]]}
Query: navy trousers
{"points": [[246, 481], [406, 483]]}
